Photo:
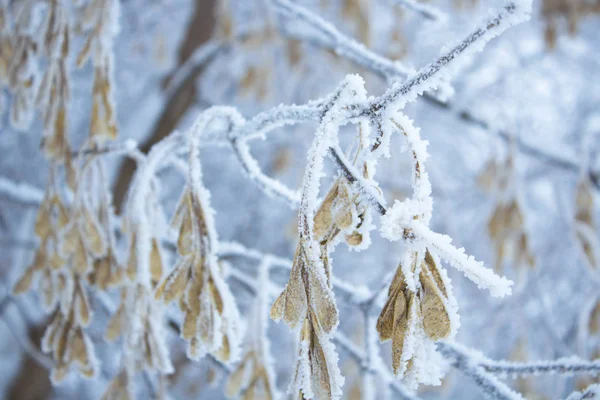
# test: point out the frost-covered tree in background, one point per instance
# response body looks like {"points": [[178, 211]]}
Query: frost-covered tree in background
{"points": [[176, 175]]}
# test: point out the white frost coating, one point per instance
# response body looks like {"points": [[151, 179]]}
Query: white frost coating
{"points": [[270, 186], [195, 174], [420, 178], [467, 361], [450, 60], [137, 205], [325, 137], [483, 277], [365, 187], [449, 301], [261, 341], [564, 366], [357, 294], [592, 392], [398, 223], [230, 312], [342, 45], [302, 380]]}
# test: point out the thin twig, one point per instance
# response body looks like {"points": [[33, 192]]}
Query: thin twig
{"points": [[491, 387]]}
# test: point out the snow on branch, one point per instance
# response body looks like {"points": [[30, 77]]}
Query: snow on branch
{"points": [[343, 45], [421, 309], [268, 185], [256, 287], [449, 61], [359, 357], [388, 69], [354, 294], [590, 393], [465, 361], [483, 277], [562, 366], [20, 192]]}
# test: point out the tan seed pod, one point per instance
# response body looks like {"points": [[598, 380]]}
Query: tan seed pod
{"points": [[118, 388], [114, 328], [132, 262], [100, 276], [182, 210], [79, 259], [325, 309], [50, 295], [396, 298], [70, 240], [82, 307], [79, 350], [156, 264], [43, 225], [237, 377], [436, 321], [56, 262], [594, 321], [402, 321], [223, 353], [185, 241], [190, 324], [323, 219], [39, 262], [354, 239], [343, 207], [292, 303], [173, 286], [91, 234]]}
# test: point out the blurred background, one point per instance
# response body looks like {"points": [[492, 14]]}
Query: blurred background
{"points": [[514, 165]]}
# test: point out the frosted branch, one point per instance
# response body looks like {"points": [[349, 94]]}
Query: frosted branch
{"points": [[358, 355], [590, 393], [20, 192], [250, 284], [425, 10], [429, 76], [562, 366], [343, 45], [268, 185], [483, 277], [354, 294], [465, 362]]}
